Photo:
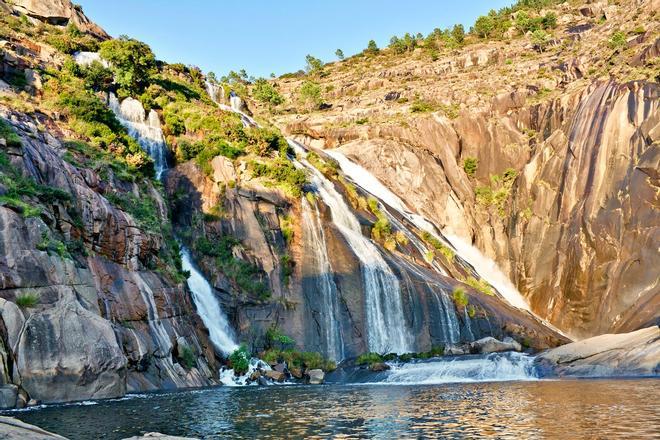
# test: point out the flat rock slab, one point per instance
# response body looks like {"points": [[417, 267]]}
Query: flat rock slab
{"points": [[627, 354], [11, 428]]}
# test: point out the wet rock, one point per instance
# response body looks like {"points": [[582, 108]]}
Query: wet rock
{"points": [[297, 373], [455, 350], [628, 354], [262, 381], [315, 377], [276, 376], [8, 395], [379, 367], [491, 345], [281, 367], [255, 376], [14, 429]]}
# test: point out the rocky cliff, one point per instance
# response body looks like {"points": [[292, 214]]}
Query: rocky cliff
{"points": [[561, 147]]}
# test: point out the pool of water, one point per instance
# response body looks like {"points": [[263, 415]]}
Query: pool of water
{"points": [[600, 409]]}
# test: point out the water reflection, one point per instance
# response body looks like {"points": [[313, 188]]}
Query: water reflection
{"points": [[509, 410]]}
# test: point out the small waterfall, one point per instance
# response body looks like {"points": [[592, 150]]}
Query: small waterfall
{"points": [[146, 130], [486, 368], [488, 270], [387, 330], [86, 58], [143, 128], [450, 320], [235, 102], [220, 332], [216, 91], [317, 254]]}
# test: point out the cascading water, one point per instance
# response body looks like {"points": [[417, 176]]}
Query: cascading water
{"points": [[486, 268], [323, 279], [220, 332], [387, 330], [145, 129], [485, 368]]}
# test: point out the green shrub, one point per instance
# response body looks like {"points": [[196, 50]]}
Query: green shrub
{"points": [[96, 76], [422, 106], [9, 135], [265, 92], [143, 209], [540, 39], [206, 153], [309, 95], [188, 357], [132, 63], [282, 172], [296, 359], [470, 165], [460, 297], [480, 285], [244, 274], [437, 245], [618, 40], [27, 300], [369, 359], [71, 40], [372, 48], [240, 360], [276, 339]]}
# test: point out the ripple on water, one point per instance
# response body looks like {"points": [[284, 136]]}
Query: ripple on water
{"points": [[509, 410]]}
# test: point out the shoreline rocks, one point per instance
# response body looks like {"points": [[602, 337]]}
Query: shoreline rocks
{"points": [[610, 355]]}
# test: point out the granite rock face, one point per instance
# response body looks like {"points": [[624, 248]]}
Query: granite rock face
{"points": [[58, 12], [626, 354]]}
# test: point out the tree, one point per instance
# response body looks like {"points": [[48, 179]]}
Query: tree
{"points": [[540, 40], [372, 48], [484, 26], [340, 54], [132, 63], [310, 95], [265, 92], [212, 77], [314, 65], [96, 76], [458, 33]]}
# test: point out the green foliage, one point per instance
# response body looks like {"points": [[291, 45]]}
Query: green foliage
{"points": [[206, 154], [310, 95], [485, 26], [9, 135], [286, 226], [143, 209], [437, 245], [540, 40], [53, 247], [246, 276], [369, 359], [407, 43], [265, 92], [27, 300], [240, 360], [295, 359], [132, 62], [498, 192], [71, 40], [96, 76], [276, 339], [480, 285], [283, 173], [470, 165], [314, 66], [460, 297], [188, 357], [340, 54], [327, 166], [618, 40], [422, 106], [372, 48]]}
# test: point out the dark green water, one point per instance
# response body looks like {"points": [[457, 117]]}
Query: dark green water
{"points": [[589, 409]]}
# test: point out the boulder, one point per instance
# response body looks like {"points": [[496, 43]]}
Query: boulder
{"points": [[315, 377], [392, 96], [379, 367], [491, 345], [455, 350], [8, 395], [628, 354], [276, 376], [14, 429], [281, 367], [59, 13], [297, 373]]}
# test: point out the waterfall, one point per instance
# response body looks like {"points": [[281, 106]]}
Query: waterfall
{"points": [[486, 268], [235, 102], [145, 129], [387, 330], [450, 321], [485, 368], [216, 91], [220, 333], [317, 254]]}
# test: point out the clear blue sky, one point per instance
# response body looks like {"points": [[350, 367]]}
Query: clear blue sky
{"points": [[264, 36]]}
